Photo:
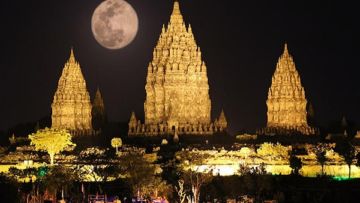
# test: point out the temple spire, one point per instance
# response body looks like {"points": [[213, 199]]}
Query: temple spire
{"points": [[286, 98], [222, 122], [177, 88], [71, 107], [133, 119], [99, 117], [176, 8], [72, 56], [176, 19], [133, 124], [285, 54], [98, 100], [190, 30]]}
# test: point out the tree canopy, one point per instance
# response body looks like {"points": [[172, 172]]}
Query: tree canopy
{"points": [[52, 141], [116, 142]]}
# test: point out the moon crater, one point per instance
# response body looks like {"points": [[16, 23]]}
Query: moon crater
{"points": [[114, 24]]}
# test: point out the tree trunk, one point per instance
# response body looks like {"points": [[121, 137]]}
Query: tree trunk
{"points": [[349, 170], [196, 193], [52, 158], [198, 197], [322, 169], [116, 149]]}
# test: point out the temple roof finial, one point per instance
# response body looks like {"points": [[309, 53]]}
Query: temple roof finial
{"points": [[286, 51], [133, 117], [72, 57], [176, 8], [222, 119], [222, 114], [176, 20], [98, 101], [98, 93]]}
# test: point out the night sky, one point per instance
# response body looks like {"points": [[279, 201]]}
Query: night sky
{"points": [[240, 44]]}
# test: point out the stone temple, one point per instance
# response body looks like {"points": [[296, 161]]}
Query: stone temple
{"points": [[286, 101], [71, 107], [99, 117], [177, 89]]}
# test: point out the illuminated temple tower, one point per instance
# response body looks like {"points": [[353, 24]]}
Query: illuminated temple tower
{"points": [[71, 107], [177, 89], [286, 101]]}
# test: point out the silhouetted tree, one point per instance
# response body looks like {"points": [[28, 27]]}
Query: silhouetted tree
{"points": [[320, 152], [346, 150], [295, 164], [321, 158], [358, 159], [60, 178]]}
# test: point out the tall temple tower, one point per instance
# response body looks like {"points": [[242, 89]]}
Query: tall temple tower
{"points": [[286, 101], [221, 121], [71, 107], [177, 89], [98, 113]]}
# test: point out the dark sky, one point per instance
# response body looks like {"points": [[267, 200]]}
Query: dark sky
{"points": [[240, 42]]}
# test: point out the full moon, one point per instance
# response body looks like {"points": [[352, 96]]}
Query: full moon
{"points": [[114, 24]]}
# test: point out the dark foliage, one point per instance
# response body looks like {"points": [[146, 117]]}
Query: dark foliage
{"points": [[295, 164], [346, 150], [282, 188], [8, 189]]}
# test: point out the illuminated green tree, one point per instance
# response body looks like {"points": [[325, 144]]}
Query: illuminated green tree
{"points": [[52, 141], [116, 142]]}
